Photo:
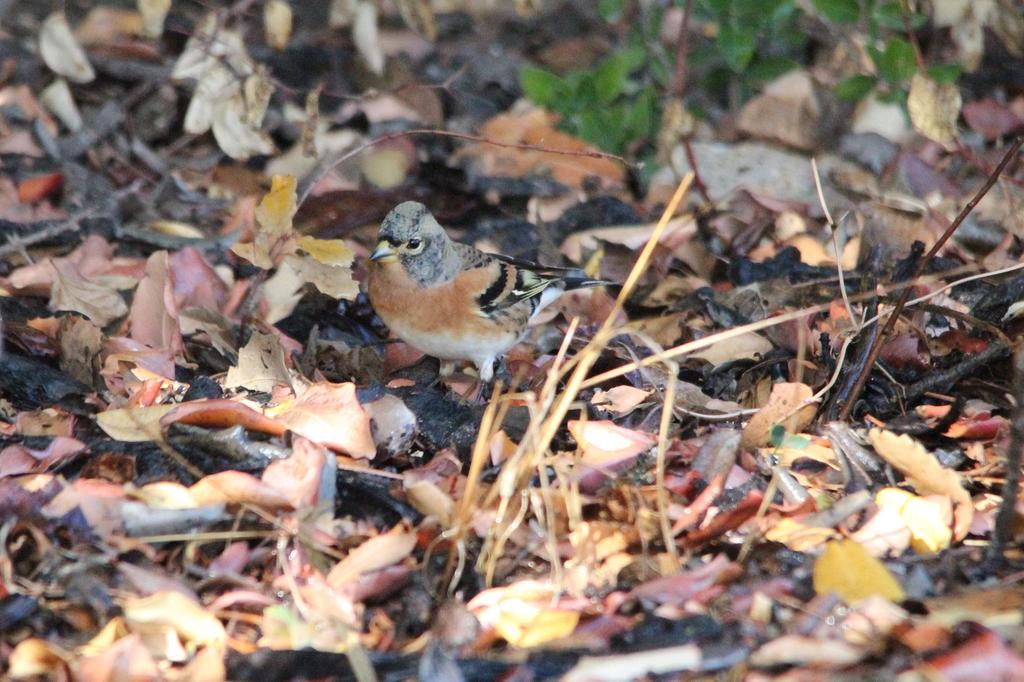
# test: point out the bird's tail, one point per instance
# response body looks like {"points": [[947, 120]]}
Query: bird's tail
{"points": [[570, 283]]}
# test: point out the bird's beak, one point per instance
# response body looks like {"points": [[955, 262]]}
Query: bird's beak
{"points": [[384, 253]]}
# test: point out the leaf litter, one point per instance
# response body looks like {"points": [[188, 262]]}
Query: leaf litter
{"points": [[216, 462]]}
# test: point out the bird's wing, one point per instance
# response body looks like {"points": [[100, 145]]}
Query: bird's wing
{"points": [[513, 281]]}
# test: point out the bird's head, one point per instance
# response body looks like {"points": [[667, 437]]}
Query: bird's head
{"points": [[409, 233]]}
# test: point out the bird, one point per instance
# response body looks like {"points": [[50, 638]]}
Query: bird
{"points": [[451, 300]]}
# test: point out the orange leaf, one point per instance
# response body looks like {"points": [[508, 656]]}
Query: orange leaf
{"points": [[220, 414], [330, 414], [32, 190]]}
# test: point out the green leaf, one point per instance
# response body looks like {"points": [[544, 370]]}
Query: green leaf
{"points": [[542, 87], [945, 74], [855, 88], [639, 117], [585, 93], [777, 435], [610, 10], [898, 63], [890, 16], [737, 46], [839, 11], [764, 69], [610, 77], [594, 128]]}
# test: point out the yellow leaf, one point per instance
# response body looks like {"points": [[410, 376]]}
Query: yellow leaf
{"points": [[798, 536], [526, 625], [334, 280], [192, 622], [925, 473], [274, 217], [847, 569], [927, 519], [327, 251], [933, 108], [134, 424]]}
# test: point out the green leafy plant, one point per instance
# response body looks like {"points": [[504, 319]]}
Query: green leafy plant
{"points": [[892, 54], [606, 106], [756, 41]]}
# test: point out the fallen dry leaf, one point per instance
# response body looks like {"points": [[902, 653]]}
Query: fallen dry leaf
{"points": [[847, 569], [925, 473], [374, 554], [330, 414], [787, 406]]}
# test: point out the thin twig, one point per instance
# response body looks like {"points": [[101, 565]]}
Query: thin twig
{"points": [[912, 37], [876, 347], [835, 243], [1003, 531], [328, 165], [17, 243], [682, 51]]}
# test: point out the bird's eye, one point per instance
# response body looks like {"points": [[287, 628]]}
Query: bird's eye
{"points": [[413, 244]]}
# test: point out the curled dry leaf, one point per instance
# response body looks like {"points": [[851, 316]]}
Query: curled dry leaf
{"points": [[927, 518], [374, 554], [194, 624], [298, 476], [607, 448], [153, 12], [35, 657], [134, 424], [330, 414], [786, 406], [236, 487], [274, 216], [154, 313], [934, 108], [525, 614], [61, 51], [221, 414], [366, 35], [619, 399], [802, 650], [748, 345], [58, 99], [925, 473], [231, 94]]}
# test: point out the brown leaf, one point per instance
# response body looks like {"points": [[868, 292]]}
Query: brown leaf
{"points": [[100, 303], [261, 365], [536, 127], [154, 314], [375, 553], [786, 406], [236, 487], [298, 477]]}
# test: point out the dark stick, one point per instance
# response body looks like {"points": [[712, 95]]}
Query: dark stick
{"points": [[890, 323], [1003, 531], [682, 51], [679, 91]]}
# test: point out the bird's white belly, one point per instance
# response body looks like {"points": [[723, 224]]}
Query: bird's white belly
{"points": [[452, 347]]}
